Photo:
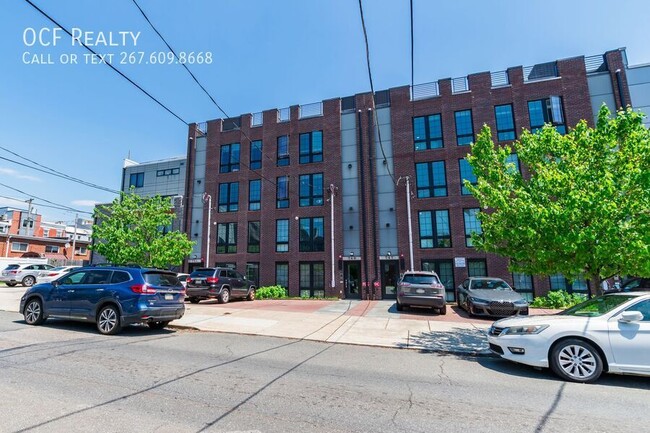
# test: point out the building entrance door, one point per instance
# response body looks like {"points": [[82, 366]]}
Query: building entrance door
{"points": [[389, 277], [352, 279]]}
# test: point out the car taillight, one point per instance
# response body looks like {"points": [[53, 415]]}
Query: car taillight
{"points": [[142, 288], [212, 280], [52, 275], [405, 284], [13, 272], [189, 280]]}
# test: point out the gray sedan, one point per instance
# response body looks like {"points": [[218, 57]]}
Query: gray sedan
{"points": [[485, 296]]}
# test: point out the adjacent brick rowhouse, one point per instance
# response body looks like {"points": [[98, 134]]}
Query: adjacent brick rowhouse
{"points": [[570, 82]]}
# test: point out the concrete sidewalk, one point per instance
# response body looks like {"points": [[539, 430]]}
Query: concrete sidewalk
{"points": [[372, 323]]}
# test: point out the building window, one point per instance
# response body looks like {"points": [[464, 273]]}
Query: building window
{"points": [[505, 122], [256, 155], [51, 249], [136, 180], [253, 273], [282, 193], [283, 150], [229, 197], [472, 225], [253, 236], [427, 132], [477, 268], [445, 270], [514, 160], [229, 158], [464, 127], [226, 238], [559, 282], [312, 234], [312, 279], [282, 274], [254, 194], [168, 172], [435, 235], [431, 179], [545, 111], [523, 284], [311, 189], [466, 173], [311, 147], [81, 251], [19, 246], [282, 236]]}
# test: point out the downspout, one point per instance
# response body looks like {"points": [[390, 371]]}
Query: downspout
{"points": [[364, 253], [619, 83], [373, 203]]}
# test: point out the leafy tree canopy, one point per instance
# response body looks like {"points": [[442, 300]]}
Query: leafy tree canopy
{"points": [[131, 230], [581, 209]]}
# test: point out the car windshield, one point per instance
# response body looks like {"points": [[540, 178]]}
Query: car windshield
{"points": [[597, 306], [420, 279], [491, 285], [203, 272], [10, 267]]}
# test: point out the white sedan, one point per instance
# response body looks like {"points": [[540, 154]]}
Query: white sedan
{"points": [[54, 273], [609, 333]]}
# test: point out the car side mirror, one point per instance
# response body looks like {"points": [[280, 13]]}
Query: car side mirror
{"points": [[55, 283], [631, 316]]}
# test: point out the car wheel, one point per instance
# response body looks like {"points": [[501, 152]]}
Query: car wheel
{"points": [[251, 295], [10, 284], [158, 325], [469, 308], [399, 306], [576, 360], [194, 300], [224, 296], [458, 301], [443, 310], [28, 281], [108, 320], [33, 312]]}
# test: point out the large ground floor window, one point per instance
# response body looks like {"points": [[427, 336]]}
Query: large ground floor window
{"points": [[312, 279], [445, 270]]}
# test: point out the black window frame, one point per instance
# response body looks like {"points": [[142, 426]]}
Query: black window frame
{"points": [[437, 240], [468, 233], [550, 115], [255, 201], [507, 133], [282, 242], [432, 189], [309, 192], [282, 200], [253, 238], [227, 244], [283, 159], [309, 240], [136, 180], [430, 141], [278, 281], [461, 136], [308, 152], [228, 197], [315, 283], [231, 165], [463, 165], [255, 156]]}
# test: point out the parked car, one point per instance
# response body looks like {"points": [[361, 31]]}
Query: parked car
{"points": [[24, 273], [218, 283], [421, 289], [486, 296], [183, 278], [633, 284], [111, 297], [54, 273], [608, 333]]}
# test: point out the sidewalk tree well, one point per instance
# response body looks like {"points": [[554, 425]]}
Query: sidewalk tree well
{"points": [[581, 209], [133, 230]]}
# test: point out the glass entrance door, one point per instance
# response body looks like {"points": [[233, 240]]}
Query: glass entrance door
{"points": [[352, 279], [389, 277]]}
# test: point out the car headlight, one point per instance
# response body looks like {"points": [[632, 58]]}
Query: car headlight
{"points": [[521, 303], [478, 301], [523, 330]]}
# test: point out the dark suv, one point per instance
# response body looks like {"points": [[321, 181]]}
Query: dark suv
{"points": [[110, 296], [219, 283], [421, 289]]}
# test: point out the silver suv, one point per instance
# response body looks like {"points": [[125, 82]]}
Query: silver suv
{"points": [[25, 273], [421, 289]]}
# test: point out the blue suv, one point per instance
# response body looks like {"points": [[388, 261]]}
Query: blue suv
{"points": [[110, 296]]}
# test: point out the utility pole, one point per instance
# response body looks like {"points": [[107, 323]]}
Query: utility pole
{"points": [[208, 197], [28, 221], [408, 215], [74, 237], [332, 190]]}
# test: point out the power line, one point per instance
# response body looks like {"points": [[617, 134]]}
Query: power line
{"points": [[63, 207], [108, 63], [53, 172], [372, 90], [35, 203]]}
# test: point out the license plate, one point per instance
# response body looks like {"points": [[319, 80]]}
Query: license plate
{"points": [[169, 297], [419, 291]]}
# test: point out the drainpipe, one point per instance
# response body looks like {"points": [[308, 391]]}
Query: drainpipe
{"points": [[373, 203], [619, 83]]}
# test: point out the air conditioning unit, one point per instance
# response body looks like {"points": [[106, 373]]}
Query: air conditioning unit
{"points": [[177, 201]]}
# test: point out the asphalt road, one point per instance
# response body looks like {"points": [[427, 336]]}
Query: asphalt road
{"points": [[64, 377]]}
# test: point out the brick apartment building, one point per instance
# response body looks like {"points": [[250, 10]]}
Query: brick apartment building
{"points": [[314, 197]]}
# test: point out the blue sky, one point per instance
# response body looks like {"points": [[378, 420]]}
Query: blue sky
{"points": [[84, 119]]}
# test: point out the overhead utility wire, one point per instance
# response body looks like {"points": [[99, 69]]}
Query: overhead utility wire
{"points": [[109, 64], [205, 91], [53, 172], [372, 90], [64, 207], [35, 203]]}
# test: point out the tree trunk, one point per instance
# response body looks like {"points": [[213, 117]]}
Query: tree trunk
{"points": [[596, 286]]}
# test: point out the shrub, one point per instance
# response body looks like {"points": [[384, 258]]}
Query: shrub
{"points": [[558, 299], [271, 292]]}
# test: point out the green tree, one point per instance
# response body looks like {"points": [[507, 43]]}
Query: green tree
{"points": [[583, 210], [131, 230]]}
